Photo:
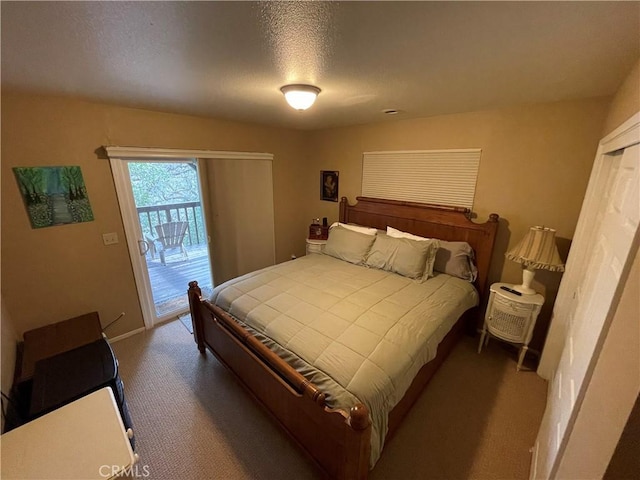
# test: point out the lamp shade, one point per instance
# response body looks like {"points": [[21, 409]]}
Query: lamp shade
{"points": [[538, 250], [300, 97]]}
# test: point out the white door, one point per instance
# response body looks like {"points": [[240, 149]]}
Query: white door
{"points": [[164, 221], [607, 228]]}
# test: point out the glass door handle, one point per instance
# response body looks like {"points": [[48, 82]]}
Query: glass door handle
{"points": [[143, 247]]}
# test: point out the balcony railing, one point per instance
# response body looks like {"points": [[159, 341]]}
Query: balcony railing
{"points": [[190, 212]]}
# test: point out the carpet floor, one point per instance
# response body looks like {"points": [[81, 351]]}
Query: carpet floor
{"points": [[477, 419]]}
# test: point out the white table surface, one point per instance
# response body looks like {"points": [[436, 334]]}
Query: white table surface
{"points": [[85, 439]]}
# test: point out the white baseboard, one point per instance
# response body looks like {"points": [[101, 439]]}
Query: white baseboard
{"points": [[127, 335], [533, 471]]}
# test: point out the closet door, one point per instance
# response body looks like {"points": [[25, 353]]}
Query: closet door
{"points": [[597, 265]]}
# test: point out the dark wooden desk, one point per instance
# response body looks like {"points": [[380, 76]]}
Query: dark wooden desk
{"points": [[56, 338]]}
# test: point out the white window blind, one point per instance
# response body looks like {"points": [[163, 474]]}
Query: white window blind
{"points": [[443, 177]]}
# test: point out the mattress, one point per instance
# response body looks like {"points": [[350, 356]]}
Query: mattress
{"points": [[360, 334]]}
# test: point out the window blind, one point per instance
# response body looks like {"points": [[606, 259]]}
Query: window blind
{"points": [[443, 177]]}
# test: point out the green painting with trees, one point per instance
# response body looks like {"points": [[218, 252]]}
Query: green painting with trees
{"points": [[54, 195]]}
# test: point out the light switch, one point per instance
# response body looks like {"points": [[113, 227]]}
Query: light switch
{"points": [[110, 238]]}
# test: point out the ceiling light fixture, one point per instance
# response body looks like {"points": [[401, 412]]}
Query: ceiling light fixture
{"points": [[300, 97]]}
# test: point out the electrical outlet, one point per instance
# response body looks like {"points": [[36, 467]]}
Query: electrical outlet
{"points": [[110, 238]]}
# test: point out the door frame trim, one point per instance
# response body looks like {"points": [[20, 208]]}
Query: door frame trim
{"points": [[126, 153], [626, 135], [127, 207]]}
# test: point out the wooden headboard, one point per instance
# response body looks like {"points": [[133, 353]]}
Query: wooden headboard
{"points": [[433, 221]]}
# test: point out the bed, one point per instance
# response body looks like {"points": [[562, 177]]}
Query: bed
{"points": [[314, 394]]}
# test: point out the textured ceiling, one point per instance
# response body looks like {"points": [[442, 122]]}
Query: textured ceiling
{"points": [[229, 59]]}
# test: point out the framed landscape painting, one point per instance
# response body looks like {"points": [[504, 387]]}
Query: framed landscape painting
{"points": [[54, 195]]}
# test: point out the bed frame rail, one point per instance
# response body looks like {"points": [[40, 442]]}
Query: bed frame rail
{"points": [[338, 441]]}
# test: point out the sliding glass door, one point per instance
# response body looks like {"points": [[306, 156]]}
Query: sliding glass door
{"points": [[166, 231], [163, 211]]}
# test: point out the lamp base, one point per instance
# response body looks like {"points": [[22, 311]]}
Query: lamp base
{"points": [[527, 278], [523, 289]]}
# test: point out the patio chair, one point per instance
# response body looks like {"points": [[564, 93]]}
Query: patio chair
{"points": [[171, 236]]}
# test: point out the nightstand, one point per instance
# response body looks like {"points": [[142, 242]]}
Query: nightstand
{"points": [[510, 317], [315, 246]]}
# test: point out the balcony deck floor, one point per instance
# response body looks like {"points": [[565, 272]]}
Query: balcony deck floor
{"points": [[169, 283]]}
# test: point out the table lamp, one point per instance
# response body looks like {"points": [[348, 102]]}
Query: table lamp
{"points": [[536, 251]]}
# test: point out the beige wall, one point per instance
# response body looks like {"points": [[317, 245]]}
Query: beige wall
{"points": [[626, 101], [8, 346], [59, 272], [535, 165], [536, 161], [8, 350]]}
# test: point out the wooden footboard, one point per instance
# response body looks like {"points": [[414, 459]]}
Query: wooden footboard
{"points": [[338, 441]]}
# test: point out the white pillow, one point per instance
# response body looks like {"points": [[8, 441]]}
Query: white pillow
{"points": [[356, 228], [392, 232]]}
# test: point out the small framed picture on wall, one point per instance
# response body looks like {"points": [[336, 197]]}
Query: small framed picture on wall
{"points": [[329, 185]]}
